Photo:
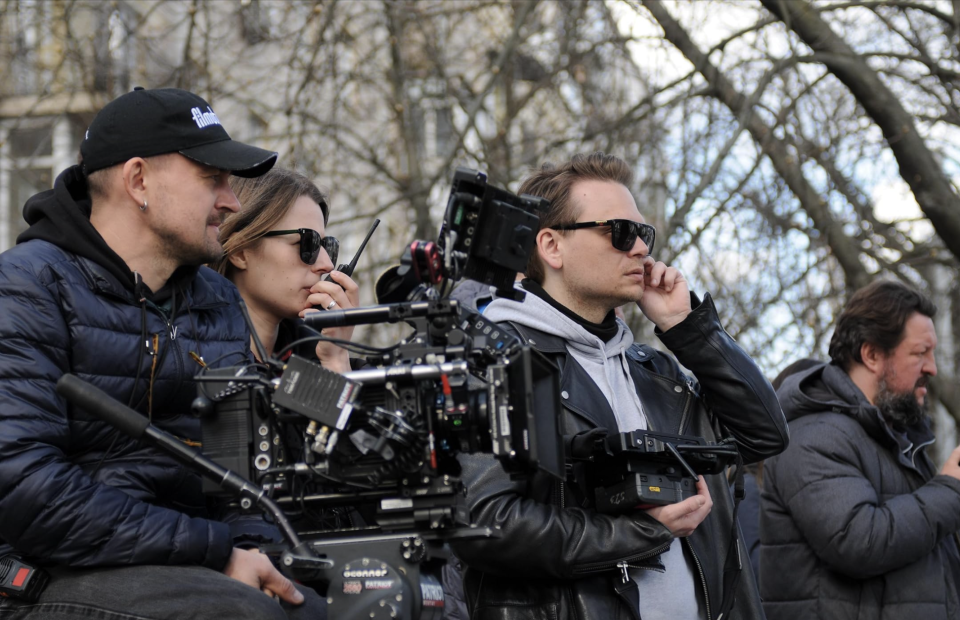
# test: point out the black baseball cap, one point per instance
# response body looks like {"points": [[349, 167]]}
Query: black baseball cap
{"points": [[144, 123]]}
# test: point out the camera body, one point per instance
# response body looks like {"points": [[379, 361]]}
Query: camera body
{"points": [[459, 385], [365, 463], [640, 469], [495, 229], [487, 235]]}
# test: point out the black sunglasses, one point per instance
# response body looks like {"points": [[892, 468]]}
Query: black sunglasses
{"points": [[310, 244], [623, 233]]}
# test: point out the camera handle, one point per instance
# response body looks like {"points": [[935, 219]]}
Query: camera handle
{"points": [[386, 313], [683, 462]]}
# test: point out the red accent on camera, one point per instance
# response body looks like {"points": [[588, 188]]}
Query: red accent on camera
{"points": [[21, 577]]}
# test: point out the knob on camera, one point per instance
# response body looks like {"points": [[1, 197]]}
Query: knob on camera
{"points": [[202, 407]]}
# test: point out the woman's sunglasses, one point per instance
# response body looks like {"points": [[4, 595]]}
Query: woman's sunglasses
{"points": [[310, 244], [623, 233]]}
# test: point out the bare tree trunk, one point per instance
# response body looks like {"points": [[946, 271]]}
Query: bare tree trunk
{"points": [[414, 187], [918, 165], [844, 248]]}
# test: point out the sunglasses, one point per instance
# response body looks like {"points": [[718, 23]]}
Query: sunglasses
{"points": [[623, 233], [310, 244]]}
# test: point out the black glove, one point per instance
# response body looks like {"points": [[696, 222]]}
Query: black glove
{"points": [[583, 445]]}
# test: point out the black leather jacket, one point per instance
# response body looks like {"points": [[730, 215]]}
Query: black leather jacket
{"points": [[559, 559]]}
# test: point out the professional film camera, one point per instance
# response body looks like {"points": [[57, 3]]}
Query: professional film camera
{"points": [[487, 235], [359, 471], [364, 464]]}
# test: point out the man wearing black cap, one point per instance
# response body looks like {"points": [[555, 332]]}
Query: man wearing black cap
{"points": [[106, 284]]}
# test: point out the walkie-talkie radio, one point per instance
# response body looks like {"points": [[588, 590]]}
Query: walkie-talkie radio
{"points": [[20, 580], [349, 267]]}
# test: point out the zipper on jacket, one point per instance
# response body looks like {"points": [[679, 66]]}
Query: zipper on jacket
{"points": [[180, 367], [913, 458], [625, 574], [154, 345], [171, 333], [703, 580], [158, 354], [688, 399], [172, 337], [599, 567]]}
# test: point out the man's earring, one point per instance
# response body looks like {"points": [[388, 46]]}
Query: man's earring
{"points": [[144, 207]]}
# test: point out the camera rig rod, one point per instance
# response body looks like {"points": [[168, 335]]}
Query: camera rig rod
{"points": [[415, 372], [96, 401], [683, 462], [386, 313]]}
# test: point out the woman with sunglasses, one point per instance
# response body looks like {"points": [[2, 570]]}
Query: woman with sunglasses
{"points": [[275, 252]]}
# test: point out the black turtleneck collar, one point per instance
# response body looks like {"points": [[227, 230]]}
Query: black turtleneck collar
{"points": [[605, 330]]}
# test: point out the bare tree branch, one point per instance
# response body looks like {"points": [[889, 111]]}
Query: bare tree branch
{"points": [[918, 167], [843, 247]]}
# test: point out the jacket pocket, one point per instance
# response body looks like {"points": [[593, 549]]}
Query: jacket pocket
{"points": [[518, 611], [492, 597]]}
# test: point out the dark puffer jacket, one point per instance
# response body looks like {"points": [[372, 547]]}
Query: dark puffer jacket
{"points": [[557, 557], [74, 491], [854, 523]]}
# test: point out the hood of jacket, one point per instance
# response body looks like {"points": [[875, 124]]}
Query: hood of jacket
{"points": [[821, 388], [61, 216], [828, 388], [536, 313], [605, 362]]}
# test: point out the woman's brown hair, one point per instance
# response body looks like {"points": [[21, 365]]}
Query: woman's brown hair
{"points": [[264, 201]]}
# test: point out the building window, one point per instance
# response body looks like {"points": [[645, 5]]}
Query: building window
{"points": [[432, 118], [23, 23], [24, 182], [445, 132], [29, 142], [115, 54], [33, 151], [433, 126]]}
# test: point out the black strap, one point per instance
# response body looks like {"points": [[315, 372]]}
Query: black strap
{"points": [[523, 333], [733, 565], [627, 590], [583, 445]]}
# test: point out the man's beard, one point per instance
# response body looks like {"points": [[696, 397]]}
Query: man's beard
{"points": [[901, 409], [183, 252], [195, 256]]}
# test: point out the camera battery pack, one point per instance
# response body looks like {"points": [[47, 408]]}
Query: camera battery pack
{"points": [[317, 393], [20, 580], [644, 490]]}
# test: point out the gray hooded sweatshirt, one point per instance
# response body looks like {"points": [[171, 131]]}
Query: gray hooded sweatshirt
{"points": [[607, 365]]}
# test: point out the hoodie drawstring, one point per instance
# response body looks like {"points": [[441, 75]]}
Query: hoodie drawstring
{"points": [[153, 373], [197, 355]]}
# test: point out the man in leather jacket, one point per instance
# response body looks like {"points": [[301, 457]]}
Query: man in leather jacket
{"points": [[107, 284], [557, 557]]}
